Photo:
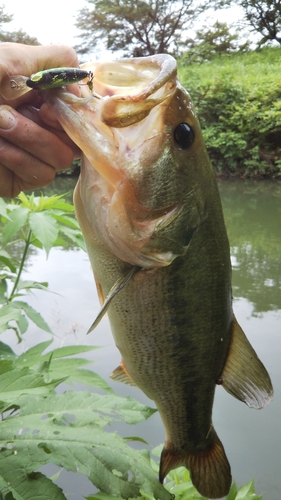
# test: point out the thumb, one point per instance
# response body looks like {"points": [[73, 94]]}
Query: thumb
{"points": [[18, 59]]}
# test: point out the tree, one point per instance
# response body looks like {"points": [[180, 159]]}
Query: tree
{"points": [[264, 16], [211, 41], [139, 27], [13, 36]]}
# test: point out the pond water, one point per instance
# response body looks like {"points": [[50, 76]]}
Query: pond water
{"points": [[252, 439]]}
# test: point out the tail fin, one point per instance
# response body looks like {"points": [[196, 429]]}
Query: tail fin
{"points": [[209, 469]]}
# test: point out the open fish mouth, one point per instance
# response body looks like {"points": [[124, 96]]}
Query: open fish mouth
{"points": [[122, 130], [125, 93]]}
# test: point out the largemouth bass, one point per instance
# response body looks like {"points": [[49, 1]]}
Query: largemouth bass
{"points": [[149, 208]]}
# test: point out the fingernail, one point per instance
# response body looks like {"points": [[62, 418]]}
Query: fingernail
{"points": [[7, 119]]}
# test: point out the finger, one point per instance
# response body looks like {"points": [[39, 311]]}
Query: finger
{"points": [[26, 60], [32, 138], [20, 171], [50, 124]]}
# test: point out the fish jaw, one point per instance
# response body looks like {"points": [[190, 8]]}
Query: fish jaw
{"points": [[125, 133]]}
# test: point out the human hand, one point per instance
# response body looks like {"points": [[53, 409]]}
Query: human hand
{"points": [[31, 151]]}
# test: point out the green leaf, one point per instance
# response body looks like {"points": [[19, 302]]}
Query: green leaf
{"points": [[88, 408], [3, 291], [22, 324], [233, 492], [22, 483], [23, 381], [70, 350], [247, 489], [103, 496], [27, 201], [33, 355], [32, 314], [61, 436], [44, 228], [135, 438], [8, 313], [67, 220], [72, 367], [29, 285], [7, 261], [74, 235], [17, 219], [6, 352], [247, 492], [60, 367]]}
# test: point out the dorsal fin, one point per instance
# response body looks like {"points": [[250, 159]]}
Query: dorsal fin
{"points": [[244, 376], [120, 283]]}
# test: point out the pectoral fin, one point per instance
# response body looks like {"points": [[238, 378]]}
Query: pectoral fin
{"points": [[120, 374], [120, 283], [100, 291], [244, 375]]}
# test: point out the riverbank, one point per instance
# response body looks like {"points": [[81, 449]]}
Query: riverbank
{"points": [[238, 101]]}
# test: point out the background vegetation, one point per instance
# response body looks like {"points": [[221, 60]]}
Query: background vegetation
{"points": [[238, 100]]}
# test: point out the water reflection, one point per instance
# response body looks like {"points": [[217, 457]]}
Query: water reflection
{"points": [[252, 213]]}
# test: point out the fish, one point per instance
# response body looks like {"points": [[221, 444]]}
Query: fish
{"points": [[148, 205]]}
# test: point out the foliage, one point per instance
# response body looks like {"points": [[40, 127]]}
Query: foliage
{"points": [[13, 36], [264, 17], [19, 36], [238, 99], [35, 221], [4, 17], [72, 171], [139, 27], [40, 427], [210, 41]]}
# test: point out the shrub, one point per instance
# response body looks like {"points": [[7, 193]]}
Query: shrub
{"points": [[240, 117]]}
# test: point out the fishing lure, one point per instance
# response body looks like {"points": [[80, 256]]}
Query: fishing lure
{"points": [[58, 77]]}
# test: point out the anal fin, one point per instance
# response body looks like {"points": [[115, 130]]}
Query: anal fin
{"points": [[120, 374], [244, 376]]}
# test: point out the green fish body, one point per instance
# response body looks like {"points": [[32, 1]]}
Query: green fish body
{"points": [[149, 208]]}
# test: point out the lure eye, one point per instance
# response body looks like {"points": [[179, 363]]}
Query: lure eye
{"points": [[183, 135]]}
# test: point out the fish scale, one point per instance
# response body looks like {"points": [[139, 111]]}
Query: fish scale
{"points": [[150, 212]]}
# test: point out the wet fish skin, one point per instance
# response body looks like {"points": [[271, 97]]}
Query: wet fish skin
{"points": [[143, 201]]}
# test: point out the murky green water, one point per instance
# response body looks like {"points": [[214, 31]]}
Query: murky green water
{"points": [[252, 439]]}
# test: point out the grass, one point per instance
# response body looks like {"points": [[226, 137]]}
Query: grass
{"points": [[256, 68]]}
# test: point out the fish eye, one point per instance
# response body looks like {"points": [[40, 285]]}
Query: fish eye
{"points": [[183, 135]]}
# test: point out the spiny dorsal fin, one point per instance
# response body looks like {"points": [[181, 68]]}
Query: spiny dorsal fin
{"points": [[120, 374], [244, 375], [120, 283]]}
